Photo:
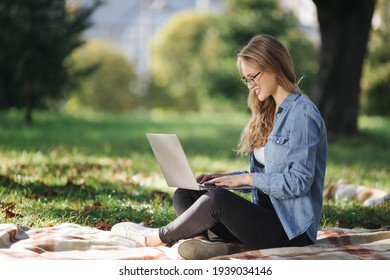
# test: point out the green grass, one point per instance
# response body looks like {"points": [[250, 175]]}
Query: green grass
{"points": [[98, 169]]}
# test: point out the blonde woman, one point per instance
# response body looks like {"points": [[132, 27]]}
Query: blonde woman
{"points": [[286, 142]]}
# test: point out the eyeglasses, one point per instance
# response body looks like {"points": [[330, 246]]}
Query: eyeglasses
{"points": [[251, 81]]}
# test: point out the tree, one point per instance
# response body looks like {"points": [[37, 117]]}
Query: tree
{"points": [[178, 60], [195, 66], [36, 37], [344, 27], [103, 79]]}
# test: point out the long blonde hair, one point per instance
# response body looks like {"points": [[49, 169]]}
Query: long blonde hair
{"points": [[267, 54]]}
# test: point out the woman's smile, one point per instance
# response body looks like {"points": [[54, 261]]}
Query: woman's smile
{"points": [[258, 93]]}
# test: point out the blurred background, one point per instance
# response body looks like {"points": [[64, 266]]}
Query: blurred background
{"points": [[82, 81], [126, 55]]}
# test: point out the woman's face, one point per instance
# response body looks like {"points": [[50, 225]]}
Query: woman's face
{"points": [[263, 85]]}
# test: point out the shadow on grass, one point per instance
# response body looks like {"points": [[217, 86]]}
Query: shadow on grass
{"points": [[83, 204], [360, 160], [353, 214], [368, 147]]}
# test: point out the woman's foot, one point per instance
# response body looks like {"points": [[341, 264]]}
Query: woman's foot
{"points": [[195, 249], [142, 235]]}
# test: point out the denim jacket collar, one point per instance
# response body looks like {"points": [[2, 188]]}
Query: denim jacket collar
{"points": [[291, 97]]}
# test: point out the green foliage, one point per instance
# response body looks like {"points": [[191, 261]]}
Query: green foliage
{"points": [[179, 57], [376, 78], [195, 67], [104, 80], [98, 169], [35, 38], [304, 55], [251, 17]]}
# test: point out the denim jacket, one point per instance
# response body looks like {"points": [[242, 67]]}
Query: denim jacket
{"points": [[295, 163]]}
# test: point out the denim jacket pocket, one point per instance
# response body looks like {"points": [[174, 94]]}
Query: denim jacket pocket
{"points": [[277, 148]]}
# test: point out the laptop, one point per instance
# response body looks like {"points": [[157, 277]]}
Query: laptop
{"points": [[174, 164]]}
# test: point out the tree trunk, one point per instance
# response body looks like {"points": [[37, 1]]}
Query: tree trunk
{"points": [[344, 27]]}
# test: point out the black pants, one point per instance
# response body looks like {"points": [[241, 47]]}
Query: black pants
{"points": [[230, 217]]}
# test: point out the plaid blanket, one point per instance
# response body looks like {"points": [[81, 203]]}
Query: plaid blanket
{"points": [[332, 244], [74, 242]]}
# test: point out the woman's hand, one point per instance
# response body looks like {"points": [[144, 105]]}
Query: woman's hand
{"points": [[205, 178], [232, 180]]}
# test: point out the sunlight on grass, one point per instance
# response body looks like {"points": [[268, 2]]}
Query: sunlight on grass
{"points": [[99, 168], [373, 123]]}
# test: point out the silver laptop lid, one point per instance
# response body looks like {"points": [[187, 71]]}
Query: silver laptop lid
{"points": [[172, 161]]}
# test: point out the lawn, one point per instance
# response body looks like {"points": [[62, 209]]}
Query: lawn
{"points": [[98, 169]]}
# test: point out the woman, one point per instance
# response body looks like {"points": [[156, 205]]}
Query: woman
{"points": [[285, 139]]}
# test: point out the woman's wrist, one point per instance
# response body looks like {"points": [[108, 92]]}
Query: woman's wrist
{"points": [[249, 179]]}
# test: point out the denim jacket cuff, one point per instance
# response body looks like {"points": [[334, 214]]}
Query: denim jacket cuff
{"points": [[238, 172], [260, 182]]}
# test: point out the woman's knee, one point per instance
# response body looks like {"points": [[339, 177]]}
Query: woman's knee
{"points": [[218, 195], [179, 194], [183, 199]]}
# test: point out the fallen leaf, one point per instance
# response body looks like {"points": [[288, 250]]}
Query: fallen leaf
{"points": [[9, 214], [9, 210], [103, 225]]}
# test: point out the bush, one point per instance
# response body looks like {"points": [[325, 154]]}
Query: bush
{"points": [[184, 61], [103, 79], [375, 97], [194, 68]]}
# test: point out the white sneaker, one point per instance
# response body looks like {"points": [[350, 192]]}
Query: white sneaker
{"points": [[195, 249], [132, 231]]}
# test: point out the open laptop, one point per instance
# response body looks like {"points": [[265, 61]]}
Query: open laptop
{"points": [[174, 164]]}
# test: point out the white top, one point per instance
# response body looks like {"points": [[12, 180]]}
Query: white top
{"points": [[259, 155]]}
